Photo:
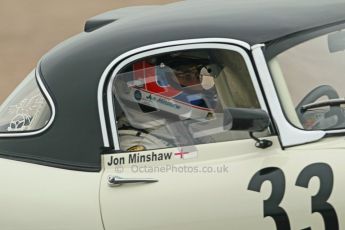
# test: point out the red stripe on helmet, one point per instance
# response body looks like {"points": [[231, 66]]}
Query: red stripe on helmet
{"points": [[147, 73]]}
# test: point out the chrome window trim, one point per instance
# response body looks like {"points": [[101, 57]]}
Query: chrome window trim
{"points": [[106, 72], [187, 46], [335, 131], [49, 101], [289, 135]]}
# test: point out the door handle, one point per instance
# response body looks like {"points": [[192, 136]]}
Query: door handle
{"points": [[116, 180]]}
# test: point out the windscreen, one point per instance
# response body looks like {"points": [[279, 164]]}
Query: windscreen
{"points": [[310, 83]]}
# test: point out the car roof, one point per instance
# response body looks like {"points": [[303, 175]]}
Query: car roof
{"points": [[247, 20]]}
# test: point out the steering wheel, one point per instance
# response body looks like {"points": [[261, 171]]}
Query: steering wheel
{"points": [[318, 92]]}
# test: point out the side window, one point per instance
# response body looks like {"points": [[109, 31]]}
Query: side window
{"points": [[25, 109], [177, 99], [309, 81]]}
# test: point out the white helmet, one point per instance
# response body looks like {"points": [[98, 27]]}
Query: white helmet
{"points": [[151, 93]]}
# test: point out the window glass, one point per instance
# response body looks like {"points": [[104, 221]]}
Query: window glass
{"points": [[25, 109], [177, 99], [309, 80]]}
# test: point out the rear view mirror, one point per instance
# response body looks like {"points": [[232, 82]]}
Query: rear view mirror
{"points": [[336, 41], [251, 120]]}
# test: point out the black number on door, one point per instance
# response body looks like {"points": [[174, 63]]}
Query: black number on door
{"points": [[271, 205], [319, 201]]}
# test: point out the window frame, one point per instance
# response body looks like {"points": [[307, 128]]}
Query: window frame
{"points": [[112, 134]]}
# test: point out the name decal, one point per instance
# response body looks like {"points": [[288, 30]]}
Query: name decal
{"points": [[135, 158]]}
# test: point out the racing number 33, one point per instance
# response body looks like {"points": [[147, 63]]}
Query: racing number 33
{"points": [[319, 202]]}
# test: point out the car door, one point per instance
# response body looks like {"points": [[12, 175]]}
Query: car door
{"points": [[208, 191], [202, 186]]}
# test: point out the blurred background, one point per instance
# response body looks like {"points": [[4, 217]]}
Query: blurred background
{"points": [[30, 28]]}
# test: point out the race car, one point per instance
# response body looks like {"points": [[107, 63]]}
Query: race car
{"points": [[191, 115]]}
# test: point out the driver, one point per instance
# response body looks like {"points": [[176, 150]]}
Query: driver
{"points": [[157, 97]]}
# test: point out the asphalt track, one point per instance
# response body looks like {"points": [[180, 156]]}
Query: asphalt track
{"points": [[29, 28]]}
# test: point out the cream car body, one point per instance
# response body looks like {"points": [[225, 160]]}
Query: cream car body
{"points": [[64, 165]]}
